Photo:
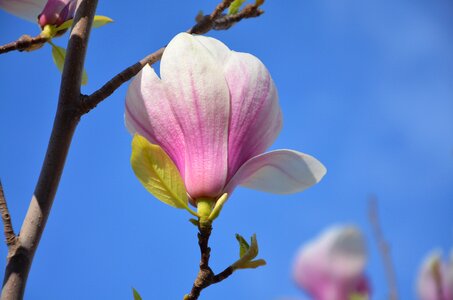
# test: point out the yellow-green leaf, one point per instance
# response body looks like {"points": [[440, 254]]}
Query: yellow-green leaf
{"points": [[243, 245], [157, 172], [99, 21], [136, 294], [59, 54], [357, 296], [254, 264], [235, 6], [65, 25]]}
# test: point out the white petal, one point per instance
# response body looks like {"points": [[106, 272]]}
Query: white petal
{"points": [[25, 9], [279, 172]]}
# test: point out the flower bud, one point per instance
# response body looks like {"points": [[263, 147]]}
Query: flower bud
{"points": [[57, 12]]}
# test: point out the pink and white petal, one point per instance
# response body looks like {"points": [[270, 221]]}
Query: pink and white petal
{"points": [[279, 172], [331, 266], [25, 9], [256, 118], [427, 284], [255, 113], [149, 113], [202, 108], [347, 254]]}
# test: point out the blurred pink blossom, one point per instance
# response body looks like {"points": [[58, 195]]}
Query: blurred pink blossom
{"points": [[214, 112], [435, 279], [332, 266]]}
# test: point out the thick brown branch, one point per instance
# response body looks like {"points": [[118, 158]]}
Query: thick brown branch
{"points": [[10, 237], [214, 21], [66, 120], [26, 43], [384, 249]]}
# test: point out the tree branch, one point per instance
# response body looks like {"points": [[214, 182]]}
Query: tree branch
{"points": [[206, 276], [26, 43], [10, 236], [215, 21], [384, 248], [66, 120], [71, 106]]}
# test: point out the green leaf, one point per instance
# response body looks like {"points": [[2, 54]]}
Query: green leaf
{"points": [[99, 21], [243, 245], [136, 294], [58, 55], [235, 6], [245, 261], [157, 172], [253, 264], [65, 25]]}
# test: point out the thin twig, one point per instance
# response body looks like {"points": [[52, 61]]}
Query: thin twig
{"points": [[204, 25], [384, 249], [10, 237], [220, 8], [65, 123], [206, 276], [91, 101], [26, 43]]}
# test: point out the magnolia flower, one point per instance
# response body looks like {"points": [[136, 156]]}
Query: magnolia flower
{"points": [[214, 112], [332, 266], [435, 280], [57, 11], [51, 12]]}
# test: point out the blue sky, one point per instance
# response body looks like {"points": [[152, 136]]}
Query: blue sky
{"points": [[364, 86]]}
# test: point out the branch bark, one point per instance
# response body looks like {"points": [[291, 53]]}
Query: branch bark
{"points": [[384, 249], [206, 276], [65, 123], [25, 43], [10, 236]]}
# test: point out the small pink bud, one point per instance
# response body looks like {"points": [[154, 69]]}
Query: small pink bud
{"points": [[57, 12]]}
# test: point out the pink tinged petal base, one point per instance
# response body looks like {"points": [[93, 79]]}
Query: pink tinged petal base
{"points": [[25, 9], [149, 112], [279, 172], [202, 107]]}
